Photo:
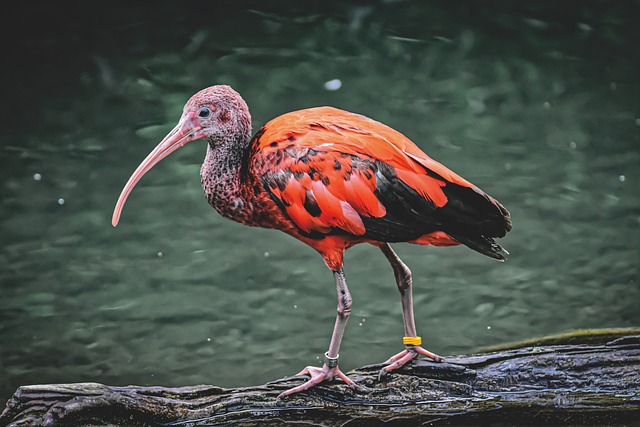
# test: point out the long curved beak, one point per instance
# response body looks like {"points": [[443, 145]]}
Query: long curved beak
{"points": [[187, 130]]}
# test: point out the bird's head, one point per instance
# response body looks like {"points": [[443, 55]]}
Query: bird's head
{"points": [[217, 114]]}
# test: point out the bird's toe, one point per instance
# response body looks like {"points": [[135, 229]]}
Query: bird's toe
{"points": [[318, 375]]}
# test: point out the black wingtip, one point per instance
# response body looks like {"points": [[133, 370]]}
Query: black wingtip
{"points": [[485, 245]]}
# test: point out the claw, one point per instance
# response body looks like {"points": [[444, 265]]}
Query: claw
{"points": [[399, 360], [318, 375], [427, 353]]}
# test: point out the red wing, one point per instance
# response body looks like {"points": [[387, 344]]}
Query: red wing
{"points": [[321, 191], [328, 128], [329, 169]]}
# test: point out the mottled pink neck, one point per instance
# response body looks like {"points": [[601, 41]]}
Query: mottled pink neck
{"points": [[223, 182]]}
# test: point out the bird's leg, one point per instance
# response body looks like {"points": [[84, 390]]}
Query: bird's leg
{"points": [[411, 339], [330, 368]]}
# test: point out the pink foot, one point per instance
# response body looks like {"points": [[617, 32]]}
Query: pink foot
{"points": [[317, 376], [405, 356]]}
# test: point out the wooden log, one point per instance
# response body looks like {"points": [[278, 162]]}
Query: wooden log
{"points": [[537, 383]]}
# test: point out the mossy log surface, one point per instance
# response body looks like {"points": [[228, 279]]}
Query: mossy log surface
{"points": [[592, 379]]}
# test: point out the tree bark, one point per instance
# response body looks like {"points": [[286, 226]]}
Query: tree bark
{"points": [[592, 378]]}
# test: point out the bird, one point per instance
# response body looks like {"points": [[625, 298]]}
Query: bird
{"points": [[332, 179]]}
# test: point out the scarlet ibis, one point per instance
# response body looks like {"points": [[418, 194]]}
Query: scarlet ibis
{"points": [[332, 179]]}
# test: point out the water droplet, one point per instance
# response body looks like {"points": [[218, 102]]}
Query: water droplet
{"points": [[573, 145], [208, 339], [360, 324], [61, 201], [37, 176], [638, 121], [622, 178], [507, 166], [334, 84], [266, 254], [160, 254], [488, 327], [546, 105], [613, 86], [364, 320], [295, 305]]}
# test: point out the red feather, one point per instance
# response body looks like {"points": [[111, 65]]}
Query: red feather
{"points": [[325, 152]]}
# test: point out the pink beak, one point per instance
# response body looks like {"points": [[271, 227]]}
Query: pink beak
{"points": [[187, 130]]}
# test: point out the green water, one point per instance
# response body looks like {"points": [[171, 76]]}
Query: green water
{"points": [[539, 105]]}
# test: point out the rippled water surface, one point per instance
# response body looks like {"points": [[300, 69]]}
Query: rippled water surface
{"points": [[538, 105]]}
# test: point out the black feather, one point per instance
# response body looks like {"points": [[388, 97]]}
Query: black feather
{"points": [[470, 216]]}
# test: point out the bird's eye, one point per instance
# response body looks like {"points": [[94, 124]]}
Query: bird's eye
{"points": [[204, 112]]}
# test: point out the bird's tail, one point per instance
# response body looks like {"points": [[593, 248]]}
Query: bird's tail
{"points": [[477, 219]]}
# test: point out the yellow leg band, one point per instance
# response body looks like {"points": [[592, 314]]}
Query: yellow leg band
{"points": [[412, 340]]}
